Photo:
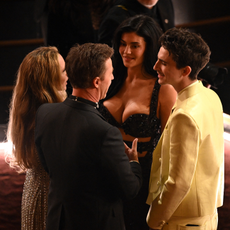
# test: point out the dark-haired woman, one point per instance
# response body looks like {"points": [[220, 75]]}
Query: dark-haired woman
{"points": [[136, 103]]}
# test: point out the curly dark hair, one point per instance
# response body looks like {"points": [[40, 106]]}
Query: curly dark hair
{"points": [[85, 62], [187, 49]]}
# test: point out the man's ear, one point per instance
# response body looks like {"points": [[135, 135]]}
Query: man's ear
{"points": [[186, 71], [96, 82]]}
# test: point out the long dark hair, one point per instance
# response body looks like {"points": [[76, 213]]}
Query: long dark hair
{"points": [[144, 26]]}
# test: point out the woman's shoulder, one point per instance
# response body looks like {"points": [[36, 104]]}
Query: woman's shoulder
{"points": [[167, 89], [166, 93]]}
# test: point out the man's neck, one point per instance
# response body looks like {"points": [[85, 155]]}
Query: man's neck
{"points": [[148, 3], [89, 94]]}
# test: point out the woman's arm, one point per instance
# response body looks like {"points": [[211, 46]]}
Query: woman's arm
{"points": [[166, 100]]}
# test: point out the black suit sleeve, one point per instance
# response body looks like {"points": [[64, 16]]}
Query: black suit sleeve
{"points": [[166, 14], [108, 26], [126, 177]]}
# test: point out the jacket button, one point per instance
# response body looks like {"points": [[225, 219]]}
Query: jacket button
{"points": [[166, 21], [162, 223]]}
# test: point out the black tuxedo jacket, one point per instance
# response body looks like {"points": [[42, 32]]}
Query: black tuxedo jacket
{"points": [[163, 13], [89, 171]]}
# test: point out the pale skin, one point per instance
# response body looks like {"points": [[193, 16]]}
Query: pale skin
{"points": [[135, 95], [149, 3], [168, 73], [64, 77]]}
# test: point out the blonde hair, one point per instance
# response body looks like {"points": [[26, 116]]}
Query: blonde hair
{"points": [[37, 81]]}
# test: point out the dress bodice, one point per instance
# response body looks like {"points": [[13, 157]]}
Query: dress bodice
{"points": [[140, 125]]}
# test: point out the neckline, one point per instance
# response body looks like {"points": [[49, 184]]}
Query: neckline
{"points": [[83, 100], [152, 109]]}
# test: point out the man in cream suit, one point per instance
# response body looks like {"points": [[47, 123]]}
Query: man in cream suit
{"points": [[187, 177]]}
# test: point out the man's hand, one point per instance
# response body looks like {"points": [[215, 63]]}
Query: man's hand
{"points": [[132, 153]]}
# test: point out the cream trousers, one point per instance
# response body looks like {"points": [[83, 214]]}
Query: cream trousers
{"points": [[206, 223]]}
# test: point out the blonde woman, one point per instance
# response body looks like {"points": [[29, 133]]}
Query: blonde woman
{"points": [[41, 79]]}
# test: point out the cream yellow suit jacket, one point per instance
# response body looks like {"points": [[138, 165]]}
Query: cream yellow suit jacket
{"points": [[187, 175]]}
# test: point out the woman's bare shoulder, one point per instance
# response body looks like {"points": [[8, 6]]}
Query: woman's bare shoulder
{"points": [[167, 91]]}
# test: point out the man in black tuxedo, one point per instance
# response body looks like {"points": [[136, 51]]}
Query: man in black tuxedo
{"points": [[90, 169], [160, 10]]}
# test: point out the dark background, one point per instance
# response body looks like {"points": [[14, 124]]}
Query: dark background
{"points": [[20, 34], [211, 19]]}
